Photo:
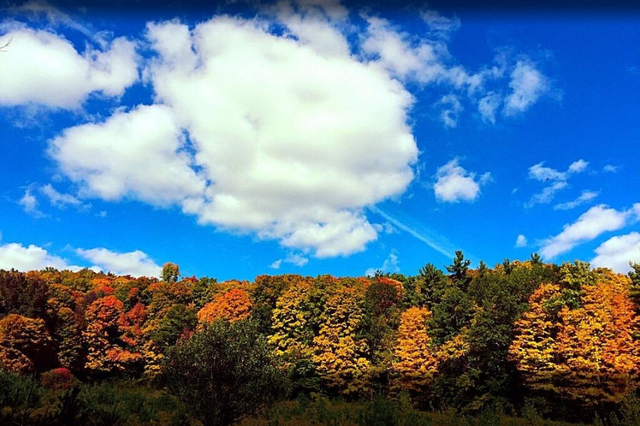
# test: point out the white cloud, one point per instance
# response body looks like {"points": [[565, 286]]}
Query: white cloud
{"points": [[283, 141], [547, 194], [44, 68], [585, 197], [596, 221], [288, 136], [542, 173], [292, 258], [397, 53], [488, 105], [424, 59], [578, 166], [139, 154], [17, 256], [29, 204], [385, 227], [617, 252], [527, 85], [521, 241], [295, 144], [390, 264], [454, 183], [610, 168], [276, 264], [440, 25], [314, 24], [58, 199], [36, 9], [557, 180], [451, 109], [135, 263]]}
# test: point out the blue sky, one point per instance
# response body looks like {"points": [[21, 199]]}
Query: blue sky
{"points": [[316, 137]]}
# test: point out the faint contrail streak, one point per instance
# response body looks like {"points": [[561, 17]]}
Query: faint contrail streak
{"points": [[428, 241]]}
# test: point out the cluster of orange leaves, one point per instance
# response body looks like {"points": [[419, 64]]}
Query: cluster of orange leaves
{"points": [[232, 305]]}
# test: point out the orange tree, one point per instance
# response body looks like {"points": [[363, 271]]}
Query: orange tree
{"points": [[232, 305]]}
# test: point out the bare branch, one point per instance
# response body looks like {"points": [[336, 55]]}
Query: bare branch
{"points": [[6, 45]]}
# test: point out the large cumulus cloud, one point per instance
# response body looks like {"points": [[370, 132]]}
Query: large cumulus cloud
{"points": [[255, 133]]}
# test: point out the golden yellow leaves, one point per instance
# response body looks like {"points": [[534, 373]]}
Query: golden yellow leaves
{"points": [[587, 354]]}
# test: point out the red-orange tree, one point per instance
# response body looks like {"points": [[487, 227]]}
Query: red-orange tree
{"points": [[107, 351]]}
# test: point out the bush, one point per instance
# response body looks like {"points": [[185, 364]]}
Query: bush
{"points": [[60, 378], [379, 412], [629, 412], [223, 373], [20, 397]]}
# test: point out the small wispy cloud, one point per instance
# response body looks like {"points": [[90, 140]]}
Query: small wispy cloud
{"points": [[450, 109], [527, 85], [555, 179], [58, 199], [136, 263], [390, 264], [292, 258], [29, 204], [585, 197], [521, 241]]}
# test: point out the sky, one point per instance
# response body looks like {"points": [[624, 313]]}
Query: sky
{"points": [[316, 137]]}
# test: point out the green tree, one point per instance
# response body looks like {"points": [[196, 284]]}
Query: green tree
{"points": [[179, 321], [425, 289], [223, 373], [634, 290], [459, 271], [170, 272]]}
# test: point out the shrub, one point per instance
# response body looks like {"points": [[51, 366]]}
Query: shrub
{"points": [[223, 373]]}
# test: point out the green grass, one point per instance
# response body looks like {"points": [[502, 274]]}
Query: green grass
{"points": [[336, 412]]}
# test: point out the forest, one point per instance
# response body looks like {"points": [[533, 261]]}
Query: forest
{"points": [[529, 341]]}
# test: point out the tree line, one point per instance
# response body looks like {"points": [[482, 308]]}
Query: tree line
{"points": [[562, 338]]}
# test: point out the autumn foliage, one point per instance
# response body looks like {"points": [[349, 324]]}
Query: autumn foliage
{"points": [[233, 305], [457, 338], [587, 353], [415, 362]]}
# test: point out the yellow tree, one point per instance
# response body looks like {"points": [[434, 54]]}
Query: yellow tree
{"points": [[584, 353], [292, 338], [415, 361], [534, 347], [340, 355]]}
